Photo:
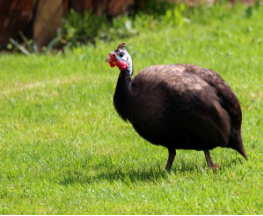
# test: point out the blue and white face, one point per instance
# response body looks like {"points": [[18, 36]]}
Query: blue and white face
{"points": [[123, 55], [121, 58]]}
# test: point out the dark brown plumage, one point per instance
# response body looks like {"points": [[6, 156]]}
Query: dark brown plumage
{"points": [[179, 106]]}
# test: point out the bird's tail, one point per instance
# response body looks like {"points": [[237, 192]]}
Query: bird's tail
{"points": [[236, 142]]}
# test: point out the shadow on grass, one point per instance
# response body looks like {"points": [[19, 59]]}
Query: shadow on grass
{"points": [[127, 176], [132, 175], [118, 174]]}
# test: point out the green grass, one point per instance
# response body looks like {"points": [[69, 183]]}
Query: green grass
{"points": [[64, 149]]}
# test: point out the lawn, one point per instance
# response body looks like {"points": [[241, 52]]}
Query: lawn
{"points": [[65, 150]]}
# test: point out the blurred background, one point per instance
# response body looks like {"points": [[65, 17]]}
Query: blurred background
{"points": [[43, 25]]}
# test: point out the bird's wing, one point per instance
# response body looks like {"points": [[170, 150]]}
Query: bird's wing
{"points": [[229, 99], [198, 107]]}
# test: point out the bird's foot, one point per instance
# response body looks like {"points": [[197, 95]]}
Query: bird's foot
{"points": [[214, 167]]}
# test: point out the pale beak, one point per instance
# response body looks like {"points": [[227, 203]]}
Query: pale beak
{"points": [[111, 59], [108, 59]]}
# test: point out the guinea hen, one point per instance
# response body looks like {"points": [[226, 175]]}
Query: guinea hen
{"points": [[178, 106]]}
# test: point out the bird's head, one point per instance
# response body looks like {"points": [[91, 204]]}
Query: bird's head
{"points": [[121, 58]]}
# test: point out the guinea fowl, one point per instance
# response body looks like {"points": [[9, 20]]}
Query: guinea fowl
{"points": [[178, 106]]}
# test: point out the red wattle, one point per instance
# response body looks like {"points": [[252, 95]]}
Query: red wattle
{"points": [[122, 65], [112, 64]]}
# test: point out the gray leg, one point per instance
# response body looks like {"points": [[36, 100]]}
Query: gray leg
{"points": [[170, 161], [209, 161]]}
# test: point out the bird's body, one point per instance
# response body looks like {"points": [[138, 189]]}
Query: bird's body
{"points": [[180, 106]]}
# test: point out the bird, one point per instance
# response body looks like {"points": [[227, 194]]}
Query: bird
{"points": [[178, 106]]}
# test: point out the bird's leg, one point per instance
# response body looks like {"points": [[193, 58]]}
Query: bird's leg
{"points": [[209, 161], [170, 161]]}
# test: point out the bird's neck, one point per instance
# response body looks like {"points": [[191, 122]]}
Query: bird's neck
{"points": [[123, 95]]}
